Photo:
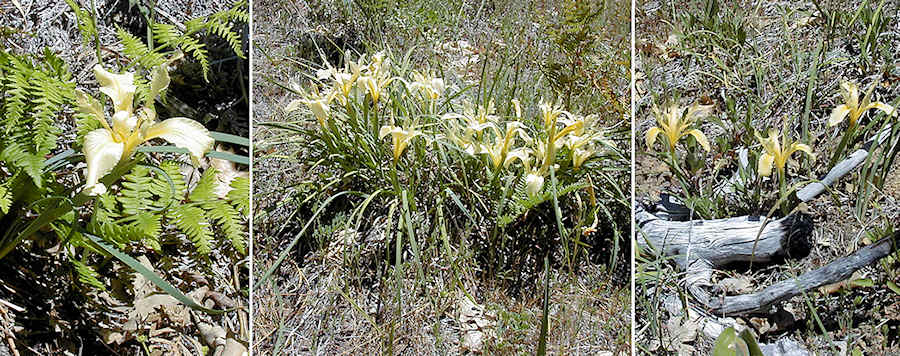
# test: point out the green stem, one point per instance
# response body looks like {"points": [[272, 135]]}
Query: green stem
{"points": [[679, 174], [394, 179], [851, 131], [782, 188], [96, 32]]}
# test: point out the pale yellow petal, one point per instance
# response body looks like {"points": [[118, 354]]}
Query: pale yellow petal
{"points": [[522, 154], [159, 81], [534, 183], [437, 84], [101, 153], [850, 92], [124, 123], [802, 148], [701, 138], [119, 87], [88, 105], [652, 133], [888, 110], [320, 109], [386, 130], [838, 114], [579, 156], [293, 105], [764, 166], [184, 133]]}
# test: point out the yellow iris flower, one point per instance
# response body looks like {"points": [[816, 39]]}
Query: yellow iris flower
{"points": [[430, 86], [319, 104], [585, 146], [853, 108], [377, 76], [498, 151], [534, 176], [534, 183], [551, 114], [375, 85], [675, 123], [400, 137], [777, 152], [105, 147]]}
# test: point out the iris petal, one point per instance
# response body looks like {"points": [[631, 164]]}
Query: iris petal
{"points": [[101, 153], [838, 114], [119, 87], [652, 133], [701, 138], [764, 166], [184, 133]]}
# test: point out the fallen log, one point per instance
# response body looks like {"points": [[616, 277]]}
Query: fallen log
{"points": [[701, 246]]}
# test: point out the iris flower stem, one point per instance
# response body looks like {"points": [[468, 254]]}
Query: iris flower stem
{"points": [[96, 33], [678, 173], [782, 189], [851, 131], [394, 179]]}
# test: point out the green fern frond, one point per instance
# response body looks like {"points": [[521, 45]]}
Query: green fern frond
{"points": [[229, 220], [115, 232], [225, 31], [5, 198], [34, 96], [169, 36], [149, 226], [87, 275], [17, 156], [222, 25], [205, 190], [191, 220], [168, 193], [146, 222], [522, 201], [240, 195], [136, 50], [134, 196]]}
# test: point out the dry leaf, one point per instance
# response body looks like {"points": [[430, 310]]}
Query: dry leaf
{"points": [[683, 330], [738, 285], [761, 325], [234, 348], [226, 172], [474, 325]]}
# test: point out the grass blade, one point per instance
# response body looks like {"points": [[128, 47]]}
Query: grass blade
{"points": [[224, 137], [152, 277], [545, 319], [296, 239]]}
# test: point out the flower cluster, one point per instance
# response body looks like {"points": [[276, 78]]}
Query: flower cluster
{"points": [[476, 131], [104, 148], [674, 123]]}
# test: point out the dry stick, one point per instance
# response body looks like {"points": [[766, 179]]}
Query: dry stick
{"points": [[836, 271], [715, 243]]}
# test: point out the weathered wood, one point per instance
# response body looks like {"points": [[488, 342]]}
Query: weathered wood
{"points": [[836, 271], [719, 241], [701, 246]]}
